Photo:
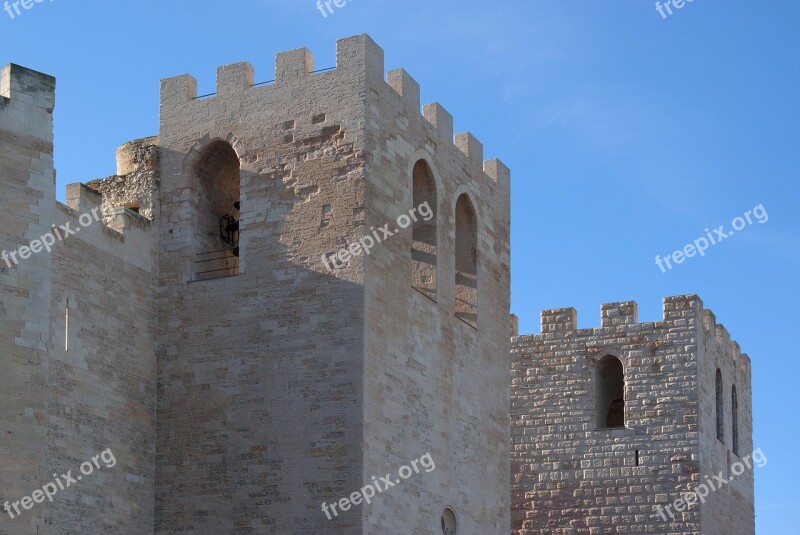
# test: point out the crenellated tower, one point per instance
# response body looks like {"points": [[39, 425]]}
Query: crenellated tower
{"points": [[613, 425], [286, 379]]}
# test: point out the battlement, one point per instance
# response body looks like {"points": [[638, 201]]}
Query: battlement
{"points": [[625, 313], [354, 53], [82, 199], [408, 90], [678, 310], [27, 85], [730, 347], [358, 54]]}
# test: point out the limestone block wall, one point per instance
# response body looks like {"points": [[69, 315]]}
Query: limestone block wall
{"points": [[434, 383], [568, 476], [71, 392], [730, 510], [27, 179], [102, 369], [260, 374]]}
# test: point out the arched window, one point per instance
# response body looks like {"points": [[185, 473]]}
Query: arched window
{"points": [[735, 414], [216, 229], [610, 393], [449, 522], [423, 247], [720, 409], [466, 261]]}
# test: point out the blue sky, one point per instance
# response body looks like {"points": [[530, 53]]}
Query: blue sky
{"points": [[627, 136]]}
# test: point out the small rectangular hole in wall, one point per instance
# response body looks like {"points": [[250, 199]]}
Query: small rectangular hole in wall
{"points": [[317, 119], [326, 215], [288, 125], [288, 139]]}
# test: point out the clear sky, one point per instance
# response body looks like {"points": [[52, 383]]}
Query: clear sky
{"points": [[627, 134]]}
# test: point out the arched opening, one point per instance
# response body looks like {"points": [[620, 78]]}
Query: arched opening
{"points": [[735, 415], [449, 523], [466, 261], [423, 248], [720, 408], [216, 229], [610, 393]]}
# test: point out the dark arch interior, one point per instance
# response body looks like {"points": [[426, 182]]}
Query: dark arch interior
{"points": [[610, 393], [466, 261], [218, 192], [423, 249]]}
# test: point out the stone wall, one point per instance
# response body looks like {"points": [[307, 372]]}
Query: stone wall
{"points": [[136, 184], [261, 373], [434, 382], [571, 477], [730, 510], [27, 178], [102, 383], [65, 403]]}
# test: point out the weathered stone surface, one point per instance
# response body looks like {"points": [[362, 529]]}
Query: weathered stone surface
{"points": [[237, 399], [238, 402], [571, 477], [136, 184]]}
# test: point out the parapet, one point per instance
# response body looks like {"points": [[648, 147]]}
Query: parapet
{"points": [[681, 310], [730, 348], [32, 87], [625, 313], [358, 53], [559, 320], [82, 198], [442, 123]]}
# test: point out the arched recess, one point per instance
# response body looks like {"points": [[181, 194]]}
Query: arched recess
{"points": [[610, 393], [466, 261], [720, 406], [449, 522], [424, 245], [217, 175]]}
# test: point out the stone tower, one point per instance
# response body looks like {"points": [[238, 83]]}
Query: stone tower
{"points": [[287, 377], [78, 336], [296, 288], [28, 183], [613, 426], [291, 374]]}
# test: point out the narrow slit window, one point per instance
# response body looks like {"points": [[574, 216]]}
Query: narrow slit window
{"points": [[720, 408], [735, 416]]}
